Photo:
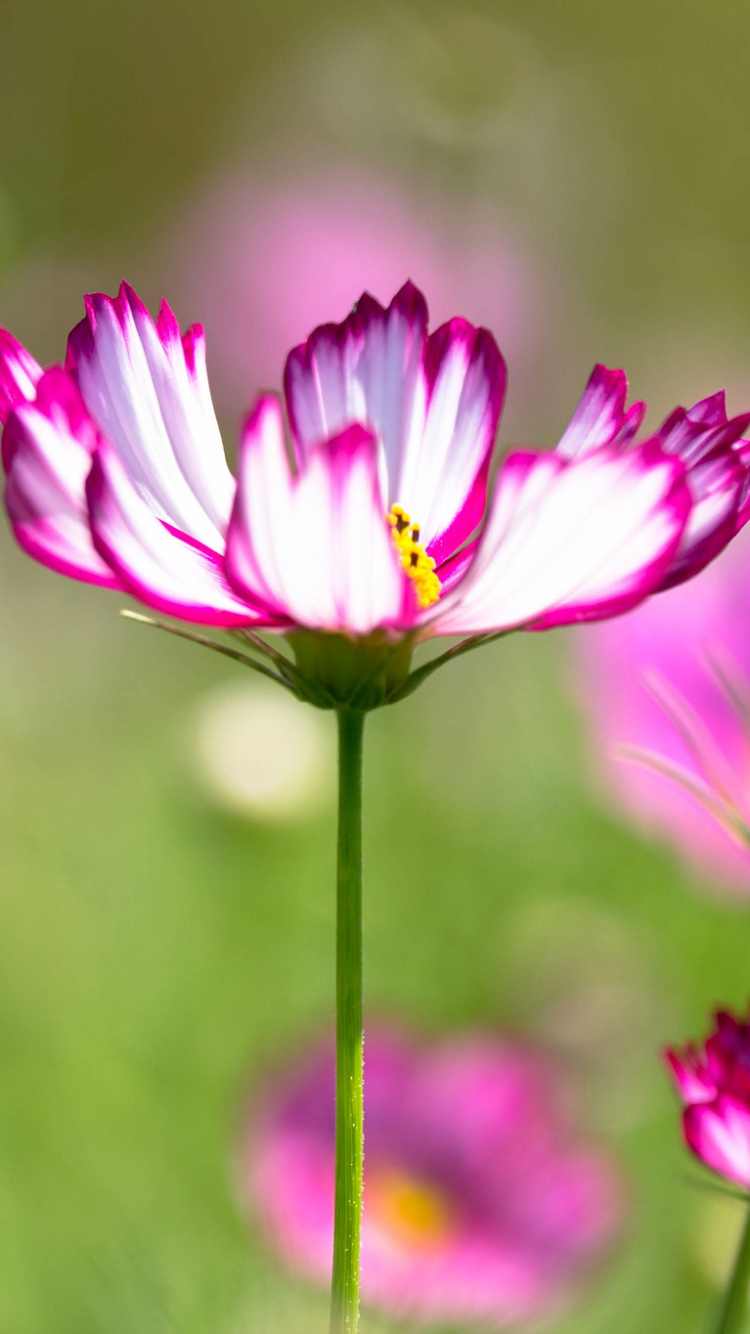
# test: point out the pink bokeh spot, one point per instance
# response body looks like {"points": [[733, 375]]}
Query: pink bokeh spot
{"points": [[671, 642], [481, 1203], [266, 262]]}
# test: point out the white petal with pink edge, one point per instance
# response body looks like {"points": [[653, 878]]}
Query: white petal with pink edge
{"points": [[570, 540], [47, 449], [719, 1134], [444, 468], [366, 369], [147, 390], [716, 485], [433, 402], [315, 548], [19, 374], [161, 567], [601, 417]]}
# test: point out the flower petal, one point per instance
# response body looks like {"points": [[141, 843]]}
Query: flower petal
{"points": [[166, 569], [455, 568], [716, 486], [366, 369], [696, 432], [47, 448], [600, 418], [434, 402], [570, 540], [692, 1078], [147, 390], [444, 472], [315, 548], [19, 374], [719, 1134]]}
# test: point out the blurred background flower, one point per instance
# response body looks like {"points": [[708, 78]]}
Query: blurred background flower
{"points": [[670, 685], [268, 258], [482, 1204]]}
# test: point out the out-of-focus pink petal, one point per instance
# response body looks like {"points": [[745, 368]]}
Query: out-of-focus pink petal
{"points": [[692, 1078], [601, 418], [433, 402], [19, 375], [719, 1134], [48, 446], [146, 388], [678, 638], [571, 540], [315, 548], [162, 567]]}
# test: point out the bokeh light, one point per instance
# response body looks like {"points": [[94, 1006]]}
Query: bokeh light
{"points": [[262, 755]]}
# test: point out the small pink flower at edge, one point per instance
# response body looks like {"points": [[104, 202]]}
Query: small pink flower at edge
{"points": [[116, 475], [713, 1081]]}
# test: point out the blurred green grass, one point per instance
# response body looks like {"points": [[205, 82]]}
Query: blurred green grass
{"points": [[156, 956]]}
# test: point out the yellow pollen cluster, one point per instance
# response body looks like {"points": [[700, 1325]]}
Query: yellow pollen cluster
{"points": [[418, 565]]}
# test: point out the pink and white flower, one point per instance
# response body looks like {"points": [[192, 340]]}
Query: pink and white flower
{"points": [[714, 1084], [480, 1203], [116, 474]]}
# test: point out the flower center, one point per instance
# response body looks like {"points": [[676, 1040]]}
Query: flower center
{"points": [[418, 565], [413, 1212]]}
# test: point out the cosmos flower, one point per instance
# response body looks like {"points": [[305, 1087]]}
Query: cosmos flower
{"points": [[116, 474], [480, 1202], [714, 1083], [669, 688]]}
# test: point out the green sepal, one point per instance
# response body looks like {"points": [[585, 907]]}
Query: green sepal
{"points": [[337, 671]]}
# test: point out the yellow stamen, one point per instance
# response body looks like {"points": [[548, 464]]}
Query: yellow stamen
{"points": [[418, 565], [414, 1212]]}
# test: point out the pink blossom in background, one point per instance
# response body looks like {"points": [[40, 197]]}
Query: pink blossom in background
{"points": [[265, 261], [653, 683], [713, 1081], [482, 1203]]}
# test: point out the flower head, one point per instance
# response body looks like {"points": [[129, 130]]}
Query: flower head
{"points": [[480, 1204], [714, 1084], [669, 688], [116, 474]]}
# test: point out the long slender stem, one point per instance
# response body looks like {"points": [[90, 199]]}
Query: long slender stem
{"points": [[349, 1035], [732, 1314]]}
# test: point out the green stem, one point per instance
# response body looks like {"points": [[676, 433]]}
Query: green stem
{"points": [[733, 1310], [349, 1036]]}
